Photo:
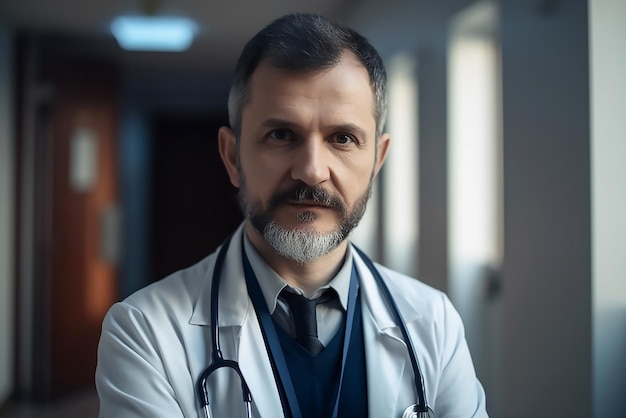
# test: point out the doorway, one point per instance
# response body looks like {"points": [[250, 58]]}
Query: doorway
{"points": [[193, 205]]}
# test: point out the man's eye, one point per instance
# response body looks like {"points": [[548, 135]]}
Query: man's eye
{"points": [[343, 139], [280, 134]]}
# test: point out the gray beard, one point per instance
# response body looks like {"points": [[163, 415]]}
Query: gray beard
{"points": [[302, 245], [299, 245]]}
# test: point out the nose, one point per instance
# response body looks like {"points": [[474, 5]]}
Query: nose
{"points": [[311, 162]]}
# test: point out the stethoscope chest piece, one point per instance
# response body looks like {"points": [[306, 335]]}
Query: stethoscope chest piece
{"points": [[411, 412]]}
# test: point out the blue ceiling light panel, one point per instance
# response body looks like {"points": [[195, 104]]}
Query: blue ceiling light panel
{"points": [[142, 33]]}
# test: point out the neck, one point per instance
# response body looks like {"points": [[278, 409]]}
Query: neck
{"points": [[309, 276]]}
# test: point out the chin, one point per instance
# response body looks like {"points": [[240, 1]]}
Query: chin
{"points": [[310, 225]]}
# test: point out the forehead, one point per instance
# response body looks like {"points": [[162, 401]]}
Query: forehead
{"points": [[345, 87]]}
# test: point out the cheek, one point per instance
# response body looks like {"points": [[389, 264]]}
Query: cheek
{"points": [[261, 175], [351, 188], [354, 176]]}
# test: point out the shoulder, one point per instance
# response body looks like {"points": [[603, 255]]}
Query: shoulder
{"points": [[148, 337], [408, 283], [174, 296], [421, 297], [177, 291]]}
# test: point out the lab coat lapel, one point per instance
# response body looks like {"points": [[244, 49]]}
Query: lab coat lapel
{"points": [[236, 313], [255, 365], [389, 374]]}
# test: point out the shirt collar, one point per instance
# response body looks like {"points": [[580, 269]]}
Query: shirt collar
{"points": [[272, 284]]}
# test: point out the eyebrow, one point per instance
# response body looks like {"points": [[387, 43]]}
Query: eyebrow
{"points": [[277, 122], [342, 127]]}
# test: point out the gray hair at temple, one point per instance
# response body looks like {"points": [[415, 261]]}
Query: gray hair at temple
{"points": [[305, 43]]}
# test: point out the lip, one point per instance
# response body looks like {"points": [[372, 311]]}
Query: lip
{"points": [[308, 205]]}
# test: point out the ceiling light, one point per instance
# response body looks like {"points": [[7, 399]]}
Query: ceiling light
{"points": [[153, 33]]}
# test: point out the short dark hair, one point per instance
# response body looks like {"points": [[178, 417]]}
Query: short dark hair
{"points": [[305, 42]]}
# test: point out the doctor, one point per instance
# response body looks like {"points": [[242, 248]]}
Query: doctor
{"points": [[307, 109]]}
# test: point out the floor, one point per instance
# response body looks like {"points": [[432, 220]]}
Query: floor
{"points": [[82, 405]]}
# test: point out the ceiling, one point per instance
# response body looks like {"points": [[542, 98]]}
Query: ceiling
{"points": [[224, 25]]}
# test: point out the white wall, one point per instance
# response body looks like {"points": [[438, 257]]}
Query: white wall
{"points": [[608, 161], [399, 199], [6, 217]]}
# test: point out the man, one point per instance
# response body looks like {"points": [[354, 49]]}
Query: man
{"points": [[305, 141]]}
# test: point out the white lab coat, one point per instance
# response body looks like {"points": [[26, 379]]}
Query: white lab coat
{"points": [[156, 343]]}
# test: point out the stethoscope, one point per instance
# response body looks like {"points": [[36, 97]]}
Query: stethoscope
{"points": [[418, 410]]}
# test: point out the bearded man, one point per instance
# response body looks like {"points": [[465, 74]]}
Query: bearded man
{"points": [[287, 310]]}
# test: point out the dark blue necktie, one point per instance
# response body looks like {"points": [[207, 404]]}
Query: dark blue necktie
{"points": [[303, 312]]}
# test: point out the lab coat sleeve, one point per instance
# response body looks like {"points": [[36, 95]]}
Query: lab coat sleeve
{"points": [[130, 377], [459, 394]]}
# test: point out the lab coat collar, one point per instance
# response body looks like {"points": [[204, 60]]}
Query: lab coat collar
{"points": [[232, 286], [375, 300]]}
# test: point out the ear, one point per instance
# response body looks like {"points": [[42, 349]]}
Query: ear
{"points": [[228, 151], [383, 148]]}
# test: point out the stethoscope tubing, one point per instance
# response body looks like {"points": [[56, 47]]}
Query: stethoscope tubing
{"points": [[422, 404], [218, 360]]}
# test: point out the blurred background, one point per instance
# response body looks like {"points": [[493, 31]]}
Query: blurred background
{"points": [[504, 187]]}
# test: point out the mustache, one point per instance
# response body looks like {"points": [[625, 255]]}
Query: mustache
{"points": [[301, 193]]}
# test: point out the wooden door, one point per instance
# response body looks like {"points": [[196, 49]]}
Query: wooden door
{"points": [[83, 219]]}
